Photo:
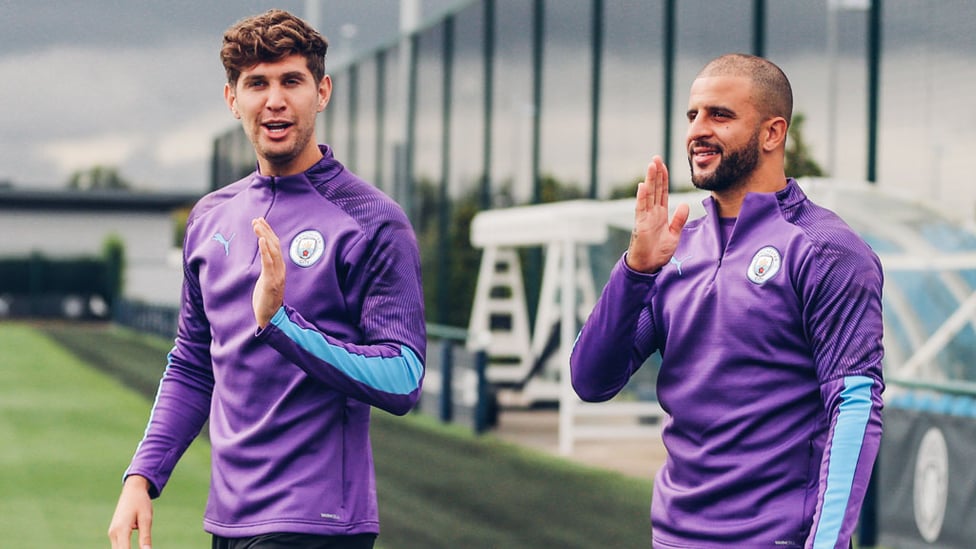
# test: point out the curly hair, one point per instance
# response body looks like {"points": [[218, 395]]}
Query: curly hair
{"points": [[270, 37]]}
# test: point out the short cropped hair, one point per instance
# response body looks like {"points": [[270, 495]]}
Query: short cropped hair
{"points": [[269, 37], [773, 94]]}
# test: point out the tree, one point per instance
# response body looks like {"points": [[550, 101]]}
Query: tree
{"points": [[799, 160], [113, 255], [554, 190], [98, 177]]}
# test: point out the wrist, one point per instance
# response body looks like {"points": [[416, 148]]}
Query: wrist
{"points": [[639, 267], [136, 482]]}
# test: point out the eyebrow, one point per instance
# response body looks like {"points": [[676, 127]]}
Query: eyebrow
{"points": [[293, 74], [284, 76], [713, 109]]}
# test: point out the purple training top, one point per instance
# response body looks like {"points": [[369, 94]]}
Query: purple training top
{"points": [[289, 405], [771, 374]]}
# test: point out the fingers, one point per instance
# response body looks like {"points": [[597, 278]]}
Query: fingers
{"points": [[267, 256], [653, 191], [642, 204], [268, 245], [654, 237], [133, 512], [120, 537], [145, 531], [269, 290], [657, 181], [263, 230]]}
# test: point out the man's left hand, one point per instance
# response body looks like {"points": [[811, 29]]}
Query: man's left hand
{"points": [[269, 292]]}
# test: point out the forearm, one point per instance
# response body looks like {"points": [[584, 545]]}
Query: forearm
{"points": [[849, 456], [616, 338], [179, 412], [388, 376]]}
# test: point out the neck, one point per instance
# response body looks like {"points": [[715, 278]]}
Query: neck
{"points": [[729, 201], [292, 166]]}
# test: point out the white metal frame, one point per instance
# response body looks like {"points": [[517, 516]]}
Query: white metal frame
{"points": [[563, 229]]}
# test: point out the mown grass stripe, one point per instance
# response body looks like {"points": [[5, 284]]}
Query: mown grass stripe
{"points": [[68, 432], [439, 486]]}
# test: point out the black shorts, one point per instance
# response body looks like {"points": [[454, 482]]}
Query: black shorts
{"points": [[296, 541]]}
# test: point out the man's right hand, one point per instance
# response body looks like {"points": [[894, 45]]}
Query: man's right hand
{"points": [[654, 240], [133, 512]]}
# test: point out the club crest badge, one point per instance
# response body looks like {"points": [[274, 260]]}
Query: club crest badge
{"points": [[306, 248], [765, 264], [931, 484]]}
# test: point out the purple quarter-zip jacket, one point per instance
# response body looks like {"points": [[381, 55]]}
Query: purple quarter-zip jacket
{"points": [[770, 375], [289, 405]]}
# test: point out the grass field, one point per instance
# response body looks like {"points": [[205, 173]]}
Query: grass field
{"points": [[67, 434], [68, 431]]}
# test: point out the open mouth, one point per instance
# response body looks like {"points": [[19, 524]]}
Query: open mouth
{"points": [[277, 127], [704, 153]]}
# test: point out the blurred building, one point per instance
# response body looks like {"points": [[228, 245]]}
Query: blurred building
{"points": [[501, 93], [71, 224]]}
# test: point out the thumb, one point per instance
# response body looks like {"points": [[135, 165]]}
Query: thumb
{"points": [[681, 213]]}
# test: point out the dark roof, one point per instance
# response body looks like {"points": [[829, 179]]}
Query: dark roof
{"points": [[93, 200]]}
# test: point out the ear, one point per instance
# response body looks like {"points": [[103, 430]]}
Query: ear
{"points": [[325, 92], [231, 99], [776, 130]]}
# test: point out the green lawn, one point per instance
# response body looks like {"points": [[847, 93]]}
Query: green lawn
{"points": [[66, 435], [69, 430]]}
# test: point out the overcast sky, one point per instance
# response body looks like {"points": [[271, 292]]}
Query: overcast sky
{"points": [[138, 84]]}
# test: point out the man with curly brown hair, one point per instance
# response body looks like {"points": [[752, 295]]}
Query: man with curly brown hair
{"points": [[302, 308]]}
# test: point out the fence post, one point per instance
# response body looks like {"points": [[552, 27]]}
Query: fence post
{"points": [[868, 534], [447, 380], [481, 407]]}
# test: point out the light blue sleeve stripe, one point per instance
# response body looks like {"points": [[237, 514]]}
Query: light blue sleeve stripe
{"points": [[845, 448], [396, 375], [152, 411]]}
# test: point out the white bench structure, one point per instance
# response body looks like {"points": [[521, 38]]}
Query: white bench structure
{"points": [[518, 362]]}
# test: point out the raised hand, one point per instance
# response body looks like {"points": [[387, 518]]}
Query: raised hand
{"points": [[654, 239], [269, 291]]}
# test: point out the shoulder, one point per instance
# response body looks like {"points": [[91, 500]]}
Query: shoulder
{"points": [[836, 257], [826, 230], [369, 206]]}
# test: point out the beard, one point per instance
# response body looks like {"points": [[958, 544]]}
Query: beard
{"points": [[281, 153], [733, 168]]}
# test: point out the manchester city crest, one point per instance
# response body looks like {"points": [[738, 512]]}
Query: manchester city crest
{"points": [[931, 484], [306, 248], [764, 265]]}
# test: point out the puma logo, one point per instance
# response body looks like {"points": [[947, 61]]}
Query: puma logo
{"points": [[225, 242], [677, 262]]}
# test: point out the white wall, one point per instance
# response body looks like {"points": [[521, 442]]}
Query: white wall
{"points": [[153, 270]]}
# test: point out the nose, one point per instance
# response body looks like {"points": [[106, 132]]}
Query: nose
{"points": [[697, 129], [276, 97]]}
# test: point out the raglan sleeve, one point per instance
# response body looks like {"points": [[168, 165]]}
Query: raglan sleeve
{"points": [[617, 337], [182, 402], [844, 322], [385, 368]]}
